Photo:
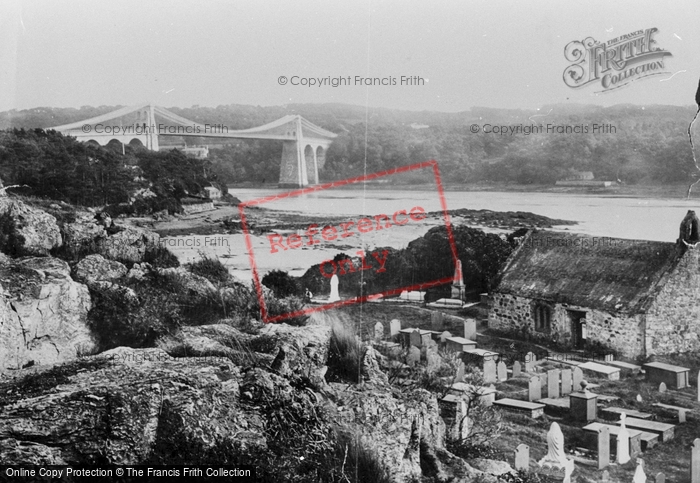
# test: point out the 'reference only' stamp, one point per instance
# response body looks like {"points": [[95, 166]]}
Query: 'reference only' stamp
{"points": [[351, 230]]}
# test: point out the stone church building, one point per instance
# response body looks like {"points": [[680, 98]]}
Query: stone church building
{"points": [[637, 297]]}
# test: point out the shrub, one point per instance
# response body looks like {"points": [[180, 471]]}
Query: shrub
{"points": [[344, 355], [210, 268], [160, 257], [281, 283]]}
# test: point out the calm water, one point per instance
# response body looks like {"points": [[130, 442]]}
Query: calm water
{"points": [[633, 218]]}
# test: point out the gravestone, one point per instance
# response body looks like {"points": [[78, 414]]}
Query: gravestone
{"points": [[522, 457], [394, 327], [459, 377], [578, 377], [555, 465], [432, 361], [413, 356], [609, 358], [639, 476], [436, 320], [534, 389], [565, 382], [378, 331], [603, 447], [502, 371], [334, 296], [463, 421], [470, 329], [416, 339], [695, 462], [623, 442], [662, 387], [553, 384], [489, 371], [517, 369], [444, 336], [605, 477], [530, 360], [660, 478]]}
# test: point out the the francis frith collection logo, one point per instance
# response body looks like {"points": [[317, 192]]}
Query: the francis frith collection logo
{"points": [[615, 63]]}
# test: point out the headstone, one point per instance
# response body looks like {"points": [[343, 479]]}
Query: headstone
{"points": [[459, 377], [530, 360], [436, 320], [394, 327], [695, 462], [378, 331], [432, 361], [578, 377], [413, 356], [463, 421], [555, 460], [609, 358], [565, 382], [416, 339], [470, 329], [335, 296], [603, 447], [553, 384], [660, 478], [444, 336], [517, 369], [489, 371], [623, 442], [534, 389], [522, 457], [662, 387], [605, 477], [502, 371], [639, 476]]}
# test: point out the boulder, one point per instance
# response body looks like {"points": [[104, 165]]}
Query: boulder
{"points": [[129, 244], [95, 268], [188, 282], [43, 314], [82, 234], [25, 230]]}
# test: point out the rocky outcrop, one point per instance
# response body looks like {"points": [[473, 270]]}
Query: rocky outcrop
{"points": [[43, 313], [188, 282], [96, 268], [25, 230], [82, 234], [129, 244]]}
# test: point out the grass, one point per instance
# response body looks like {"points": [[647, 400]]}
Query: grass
{"points": [[344, 355]]}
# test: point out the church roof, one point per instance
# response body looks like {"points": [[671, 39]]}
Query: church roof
{"points": [[611, 274]]}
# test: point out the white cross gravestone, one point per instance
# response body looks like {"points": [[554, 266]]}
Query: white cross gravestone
{"points": [[623, 442], [378, 331], [517, 369], [489, 371], [522, 457], [502, 371], [394, 327]]}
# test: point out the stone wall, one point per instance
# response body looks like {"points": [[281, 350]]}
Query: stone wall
{"points": [[673, 320], [624, 334], [198, 207]]}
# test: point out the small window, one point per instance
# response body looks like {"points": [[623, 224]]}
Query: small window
{"points": [[543, 317]]}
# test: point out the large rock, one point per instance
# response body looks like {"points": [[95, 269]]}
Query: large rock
{"points": [[25, 230], [129, 244], [82, 234], [43, 314], [188, 282], [96, 268]]}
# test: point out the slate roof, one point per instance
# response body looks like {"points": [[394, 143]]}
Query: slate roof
{"points": [[610, 274]]}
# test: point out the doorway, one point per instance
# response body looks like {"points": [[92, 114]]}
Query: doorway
{"points": [[578, 328]]}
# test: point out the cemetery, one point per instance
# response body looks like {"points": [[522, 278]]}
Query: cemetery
{"points": [[614, 419]]}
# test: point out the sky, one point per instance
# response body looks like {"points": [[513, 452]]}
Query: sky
{"points": [[499, 54]]}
